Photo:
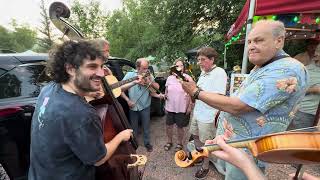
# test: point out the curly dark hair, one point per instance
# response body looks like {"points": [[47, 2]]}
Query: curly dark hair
{"points": [[70, 52]]}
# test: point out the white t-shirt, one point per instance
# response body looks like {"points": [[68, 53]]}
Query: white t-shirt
{"points": [[215, 81]]}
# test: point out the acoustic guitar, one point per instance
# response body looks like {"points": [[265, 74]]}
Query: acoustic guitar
{"points": [[114, 85]]}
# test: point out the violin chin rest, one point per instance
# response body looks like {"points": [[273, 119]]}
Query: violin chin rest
{"points": [[291, 156]]}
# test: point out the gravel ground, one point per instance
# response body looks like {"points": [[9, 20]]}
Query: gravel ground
{"points": [[161, 164]]}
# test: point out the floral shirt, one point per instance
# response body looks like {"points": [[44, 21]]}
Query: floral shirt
{"points": [[274, 91]]}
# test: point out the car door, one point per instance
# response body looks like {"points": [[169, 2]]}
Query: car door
{"points": [[19, 89]]}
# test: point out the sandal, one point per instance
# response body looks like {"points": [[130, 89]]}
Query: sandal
{"points": [[167, 147], [198, 162], [201, 173], [178, 147]]}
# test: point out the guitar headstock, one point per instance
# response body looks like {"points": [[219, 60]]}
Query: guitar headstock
{"points": [[177, 72]]}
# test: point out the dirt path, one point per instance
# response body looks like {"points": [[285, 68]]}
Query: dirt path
{"points": [[162, 166]]}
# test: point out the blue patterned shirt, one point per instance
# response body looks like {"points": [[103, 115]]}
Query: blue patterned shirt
{"points": [[273, 90], [138, 94]]}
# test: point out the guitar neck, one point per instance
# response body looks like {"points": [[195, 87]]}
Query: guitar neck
{"points": [[120, 83]]}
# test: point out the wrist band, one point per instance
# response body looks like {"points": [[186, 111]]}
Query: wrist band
{"points": [[196, 94]]}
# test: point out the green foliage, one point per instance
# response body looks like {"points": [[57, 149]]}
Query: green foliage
{"points": [[22, 38], [88, 18], [5, 39], [215, 18], [165, 29], [45, 42]]}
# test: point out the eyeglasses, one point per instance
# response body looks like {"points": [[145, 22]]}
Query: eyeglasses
{"points": [[201, 59]]}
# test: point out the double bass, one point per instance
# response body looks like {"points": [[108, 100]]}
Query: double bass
{"points": [[123, 163]]}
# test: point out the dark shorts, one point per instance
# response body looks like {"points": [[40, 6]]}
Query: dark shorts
{"points": [[180, 119]]}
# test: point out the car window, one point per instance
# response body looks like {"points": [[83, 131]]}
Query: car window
{"points": [[24, 80], [126, 68], [2, 71]]}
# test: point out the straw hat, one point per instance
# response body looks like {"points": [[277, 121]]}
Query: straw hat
{"points": [[236, 68]]}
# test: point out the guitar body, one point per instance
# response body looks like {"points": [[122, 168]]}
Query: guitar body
{"points": [[112, 80]]}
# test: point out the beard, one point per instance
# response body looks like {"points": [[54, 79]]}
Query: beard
{"points": [[83, 82]]}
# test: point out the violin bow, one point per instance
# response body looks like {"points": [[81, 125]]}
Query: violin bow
{"points": [[145, 90]]}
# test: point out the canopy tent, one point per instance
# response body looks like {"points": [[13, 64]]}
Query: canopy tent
{"points": [[301, 18]]}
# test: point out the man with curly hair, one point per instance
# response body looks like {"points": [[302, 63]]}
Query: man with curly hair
{"points": [[66, 134], [265, 102]]}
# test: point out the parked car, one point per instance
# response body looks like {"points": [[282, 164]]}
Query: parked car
{"points": [[21, 78]]}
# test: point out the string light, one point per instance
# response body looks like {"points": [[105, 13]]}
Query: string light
{"points": [[295, 19]]}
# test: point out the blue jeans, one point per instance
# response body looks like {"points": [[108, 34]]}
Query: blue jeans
{"points": [[144, 117]]}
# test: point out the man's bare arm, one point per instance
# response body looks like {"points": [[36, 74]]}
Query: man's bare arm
{"points": [[113, 145], [313, 90], [232, 105], [127, 86]]}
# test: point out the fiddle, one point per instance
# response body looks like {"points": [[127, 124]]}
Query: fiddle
{"points": [[153, 90], [146, 81], [282, 148], [178, 73]]}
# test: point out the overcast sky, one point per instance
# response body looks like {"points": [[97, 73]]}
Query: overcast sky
{"points": [[28, 11]]}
